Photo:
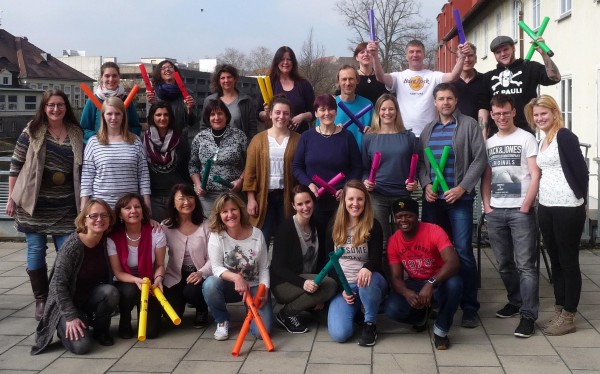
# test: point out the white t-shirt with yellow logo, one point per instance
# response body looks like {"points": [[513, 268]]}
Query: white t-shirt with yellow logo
{"points": [[414, 90]]}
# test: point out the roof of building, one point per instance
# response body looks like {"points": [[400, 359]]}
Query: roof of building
{"points": [[17, 54]]}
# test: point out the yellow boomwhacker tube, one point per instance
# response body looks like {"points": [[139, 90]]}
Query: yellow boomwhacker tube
{"points": [[269, 87], [143, 320], [166, 306], [263, 89]]}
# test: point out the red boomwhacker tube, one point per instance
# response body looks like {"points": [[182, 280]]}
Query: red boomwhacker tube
{"points": [[145, 78], [88, 92], [131, 95], [180, 84]]}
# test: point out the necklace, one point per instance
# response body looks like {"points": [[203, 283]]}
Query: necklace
{"points": [[326, 136], [53, 134], [133, 240], [216, 136], [368, 76]]}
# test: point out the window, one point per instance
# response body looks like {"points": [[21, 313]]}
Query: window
{"points": [[30, 103], [485, 39], [2, 102], [5, 80], [566, 100], [76, 101], [475, 38], [33, 86], [536, 14], [45, 87], [566, 6], [12, 102], [499, 23], [67, 89]]}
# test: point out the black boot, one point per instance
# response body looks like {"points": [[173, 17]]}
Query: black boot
{"points": [[39, 285], [125, 330]]}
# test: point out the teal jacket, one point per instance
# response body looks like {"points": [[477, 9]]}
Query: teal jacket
{"points": [[90, 120]]}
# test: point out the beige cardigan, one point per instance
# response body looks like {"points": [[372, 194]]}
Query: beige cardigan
{"points": [[29, 180], [256, 173]]}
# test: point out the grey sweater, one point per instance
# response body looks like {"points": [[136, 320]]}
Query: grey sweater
{"points": [[469, 152]]}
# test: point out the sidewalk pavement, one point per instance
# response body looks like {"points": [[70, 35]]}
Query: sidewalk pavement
{"points": [[490, 348]]}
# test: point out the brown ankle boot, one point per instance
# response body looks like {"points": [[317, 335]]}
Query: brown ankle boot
{"points": [[557, 310], [39, 285], [565, 324]]}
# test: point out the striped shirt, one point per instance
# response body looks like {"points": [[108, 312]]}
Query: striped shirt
{"points": [[441, 136], [111, 170]]}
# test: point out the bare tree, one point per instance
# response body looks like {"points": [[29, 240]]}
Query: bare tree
{"points": [[234, 57], [315, 66], [259, 60], [397, 22]]}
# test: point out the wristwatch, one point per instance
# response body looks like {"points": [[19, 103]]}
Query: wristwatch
{"points": [[433, 282]]}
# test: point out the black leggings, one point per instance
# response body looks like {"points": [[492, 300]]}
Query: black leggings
{"points": [[129, 296]]}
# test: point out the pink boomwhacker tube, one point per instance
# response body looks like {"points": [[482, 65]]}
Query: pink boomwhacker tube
{"points": [[335, 180], [319, 181], [375, 166], [413, 167]]}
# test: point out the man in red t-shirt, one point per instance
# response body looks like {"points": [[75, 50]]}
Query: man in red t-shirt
{"points": [[426, 253]]}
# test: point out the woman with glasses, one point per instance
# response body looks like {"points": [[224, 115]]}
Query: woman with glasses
{"points": [[166, 89], [187, 234], [238, 255], [43, 184], [225, 146], [108, 86], [136, 252], [223, 84], [81, 291], [168, 157], [297, 258], [287, 80], [114, 162]]}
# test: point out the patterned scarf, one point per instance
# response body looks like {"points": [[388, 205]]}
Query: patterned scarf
{"points": [[168, 92], [161, 152], [104, 93]]}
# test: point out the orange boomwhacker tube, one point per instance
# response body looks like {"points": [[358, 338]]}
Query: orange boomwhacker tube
{"points": [[259, 323], [145, 78], [180, 84], [131, 95], [86, 90], [246, 326]]}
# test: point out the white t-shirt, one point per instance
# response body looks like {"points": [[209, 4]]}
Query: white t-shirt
{"points": [[276, 153], [507, 156], [158, 240], [554, 188], [354, 258], [414, 91]]}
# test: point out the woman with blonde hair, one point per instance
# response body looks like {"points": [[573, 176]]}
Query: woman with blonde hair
{"points": [[396, 146], [114, 161], [238, 255], [358, 232], [561, 210]]}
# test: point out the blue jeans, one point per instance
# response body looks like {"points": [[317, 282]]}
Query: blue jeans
{"points": [[274, 214], [37, 246], [447, 295], [218, 292], [457, 221], [341, 314], [512, 238]]}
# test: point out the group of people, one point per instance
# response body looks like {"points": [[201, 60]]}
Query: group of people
{"points": [[218, 205]]}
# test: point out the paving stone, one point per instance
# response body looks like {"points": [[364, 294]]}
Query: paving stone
{"points": [[349, 353], [203, 367], [276, 362], [404, 363], [507, 345], [533, 364], [337, 369], [18, 358], [470, 370], [585, 338], [79, 365], [6, 342], [213, 350], [150, 360], [17, 326], [403, 343], [467, 355]]}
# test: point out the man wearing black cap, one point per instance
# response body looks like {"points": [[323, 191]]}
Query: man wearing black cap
{"points": [[516, 78], [426, 253]]}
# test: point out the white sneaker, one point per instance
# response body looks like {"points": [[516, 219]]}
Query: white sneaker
{"points": [[222, 331]]}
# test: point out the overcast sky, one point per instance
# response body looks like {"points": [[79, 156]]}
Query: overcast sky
{"points": [[183, 29]]}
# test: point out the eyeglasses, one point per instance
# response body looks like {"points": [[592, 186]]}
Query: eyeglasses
{"points": [[53, 105], [502, 114], [167, 67], [186, 199], [96, 216]]}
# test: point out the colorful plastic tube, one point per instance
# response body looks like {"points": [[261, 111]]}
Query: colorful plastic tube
{"points": [[143, 319], [459, 27], [359, 114], [413, 167], [180, 84], [237, 347], [145, 78], [335, 180], [540, 32], [131, 95], [269, 87], [221, 181], [86, 90], [166, 306], [353, 118], [374, 166], [319, 181], [340, 274], [323, 273], [533, 36], [372, 25], [206, 172], [439, 176], [259, 323], [263, 89]]}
